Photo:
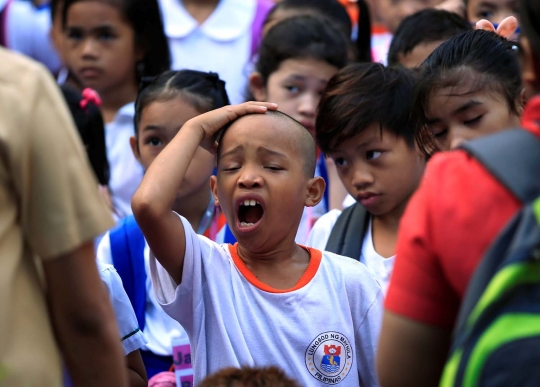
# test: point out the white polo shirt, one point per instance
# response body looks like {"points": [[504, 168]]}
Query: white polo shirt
{"points": [[126, 172], [130, 334], [222, 44], [27, 30], [322, 332]]}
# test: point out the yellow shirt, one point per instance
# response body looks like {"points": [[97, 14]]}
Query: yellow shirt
{"points": [[49, 205]]}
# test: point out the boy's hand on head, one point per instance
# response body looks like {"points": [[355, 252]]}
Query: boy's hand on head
{"points": [[506, 28], [212, 122]]}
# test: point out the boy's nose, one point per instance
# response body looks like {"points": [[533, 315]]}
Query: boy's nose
{"points": [[361, 178], [250, 179], [89, 48], [308, 105]]}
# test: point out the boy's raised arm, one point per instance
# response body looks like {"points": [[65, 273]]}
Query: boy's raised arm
{"points": [[153, 201]]}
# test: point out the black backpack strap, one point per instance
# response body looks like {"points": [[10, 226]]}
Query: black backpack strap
{"points": [[513, 158], [347, 235]]}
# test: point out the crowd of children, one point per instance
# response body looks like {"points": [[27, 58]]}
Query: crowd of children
{"points": [[325, 233]]}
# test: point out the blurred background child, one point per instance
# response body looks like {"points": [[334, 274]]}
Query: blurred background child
{"points": [[297, 58], [109, 47]]}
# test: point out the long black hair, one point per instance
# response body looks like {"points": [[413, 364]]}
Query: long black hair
{"points": [[89, 123], [204, 91], [145, 18]]}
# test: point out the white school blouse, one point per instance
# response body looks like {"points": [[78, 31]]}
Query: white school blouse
{"points": [[160, 329], [130, 334], [222, 44], [125, 171], [380, 267], [323, 332]]}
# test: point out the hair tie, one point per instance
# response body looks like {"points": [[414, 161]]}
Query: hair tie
{"points": [[89, 96], [214, 78]]}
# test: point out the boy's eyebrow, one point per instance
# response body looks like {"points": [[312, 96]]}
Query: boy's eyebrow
{"points": [[467, 106], [271, 152], [232, 151], [152, 127]]}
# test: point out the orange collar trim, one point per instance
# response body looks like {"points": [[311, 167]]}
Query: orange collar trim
{"points": [[314, 263]]}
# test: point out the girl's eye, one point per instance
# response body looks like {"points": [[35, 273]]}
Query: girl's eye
{"points": [[274, 168], [441, 134], [106, 36], [473, 121], [373, 155], [340, 162], [74, 34], [154, 141], [485, 14], [230, 168], [292, 89]]}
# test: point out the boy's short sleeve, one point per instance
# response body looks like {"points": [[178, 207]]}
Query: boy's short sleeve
{"points": [[59, 200], [447, 227], [130, 334]]}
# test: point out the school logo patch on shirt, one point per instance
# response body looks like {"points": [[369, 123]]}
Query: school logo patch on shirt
{"points": [[329, 357]]}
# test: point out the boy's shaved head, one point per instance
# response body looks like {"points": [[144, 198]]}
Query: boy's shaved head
{"points": [[300, 137]]}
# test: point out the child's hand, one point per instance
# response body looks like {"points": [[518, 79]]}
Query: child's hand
{"points": [[212, 122], [506, 28]]}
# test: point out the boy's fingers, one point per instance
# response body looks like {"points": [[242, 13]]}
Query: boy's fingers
{"points": [[485, 25], [507, 27]]}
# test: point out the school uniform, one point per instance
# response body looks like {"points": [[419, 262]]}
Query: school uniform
{"points": [[380, 267], [131, 336], [323, 331], [223, 44], [49, 206], [26, 29], [126, 172], [448, 226]]}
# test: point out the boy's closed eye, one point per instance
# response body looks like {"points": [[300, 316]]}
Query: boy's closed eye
{"points": [[473, 121]]}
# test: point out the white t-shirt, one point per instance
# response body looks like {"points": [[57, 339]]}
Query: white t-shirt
{"points": [[222, 44], [27, 30], [131, 335], [380, 267], [125, 171], [322, 332], [159, 328]]}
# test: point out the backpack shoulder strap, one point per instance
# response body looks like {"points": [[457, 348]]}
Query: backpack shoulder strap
{"points": [[127, 250], [347, 235], [513, 158]]}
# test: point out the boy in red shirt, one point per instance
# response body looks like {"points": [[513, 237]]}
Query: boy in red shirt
{"points": [[451, 221]]}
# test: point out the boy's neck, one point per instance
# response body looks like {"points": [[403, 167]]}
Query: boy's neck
{"points": [[281, 268], [200, 10], [114, 98], [385, 230], [193, 208]]}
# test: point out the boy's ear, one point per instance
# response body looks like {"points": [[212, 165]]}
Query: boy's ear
{"points": [[135, 148], [315, 191], [257, 86], [213, 188]]}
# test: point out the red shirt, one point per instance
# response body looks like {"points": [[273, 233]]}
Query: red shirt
{"points": [[448, 226]]}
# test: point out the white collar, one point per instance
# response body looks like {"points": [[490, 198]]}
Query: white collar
{"points": [[230, 20]]}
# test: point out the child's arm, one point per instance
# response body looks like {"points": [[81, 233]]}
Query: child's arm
{"points": [[136, 370], [152, 203]]}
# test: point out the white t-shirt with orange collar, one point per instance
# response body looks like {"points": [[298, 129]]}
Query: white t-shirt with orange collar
{"points": [[322, 332]]}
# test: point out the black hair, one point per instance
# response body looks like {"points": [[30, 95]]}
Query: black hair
{"points": [[364, 94], [529, 18], [480, 59], [89, 123], [54, 7], [307, 36], [204, 91], [145, 18], [429, 25], [332, 9], [363, 38], [304, 141]]}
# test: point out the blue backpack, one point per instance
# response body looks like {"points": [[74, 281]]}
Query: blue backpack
{"points": [[127, 249], [497, 336]]}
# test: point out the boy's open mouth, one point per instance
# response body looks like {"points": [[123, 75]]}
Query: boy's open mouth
{"points": [[250, 212]]}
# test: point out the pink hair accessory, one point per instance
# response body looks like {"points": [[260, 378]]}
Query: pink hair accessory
{"points": [[90, 96], [163, 379]]}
